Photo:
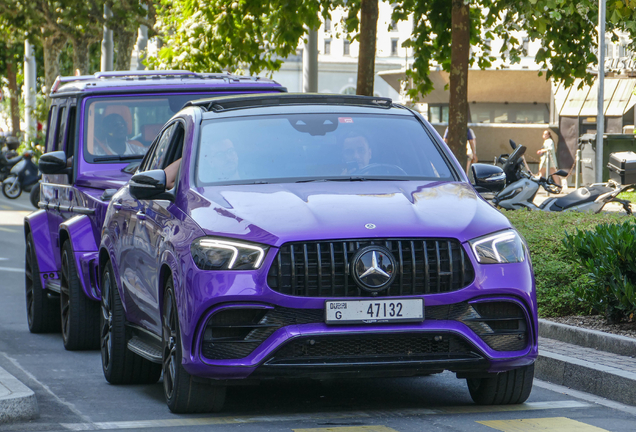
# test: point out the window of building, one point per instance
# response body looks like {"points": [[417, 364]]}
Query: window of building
{"points": [[394, 47], [327, 49], [509, 113], [526, 45], [347, 47], [438, 113], [328, 25]]}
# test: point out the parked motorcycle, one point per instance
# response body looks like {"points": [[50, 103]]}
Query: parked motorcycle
{"points": [[8, 159], [24, 176], [522, 187]]}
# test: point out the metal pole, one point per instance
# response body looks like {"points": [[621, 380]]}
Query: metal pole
{"points": [[310, 63], [577, 172], [600, 118], [29, 91], [142, 43], [107, 44]]}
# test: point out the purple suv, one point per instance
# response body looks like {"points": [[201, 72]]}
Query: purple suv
{"points": [[99, 128], [310, 236]]}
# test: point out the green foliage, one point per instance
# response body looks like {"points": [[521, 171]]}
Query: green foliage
{"points": [[217, 35], [608, 254], [558, 273]]}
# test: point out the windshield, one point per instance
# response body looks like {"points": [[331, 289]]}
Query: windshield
{"points": [[122, 128], [317, 147]]}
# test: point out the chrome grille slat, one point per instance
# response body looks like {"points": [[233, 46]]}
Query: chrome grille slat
{"points": [[424, 266]]}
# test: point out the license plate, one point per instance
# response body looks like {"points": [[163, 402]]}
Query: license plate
{"points": [[374, 311]]}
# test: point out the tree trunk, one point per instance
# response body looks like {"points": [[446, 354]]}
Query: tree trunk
{"points": [[369, 12], [13, 98], [81, 58], [460, 51], [124, 44], [52, 48]]}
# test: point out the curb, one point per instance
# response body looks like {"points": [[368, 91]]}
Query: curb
{"points": [[17, 401], [600, 380], [604, 381], [587, 338]]}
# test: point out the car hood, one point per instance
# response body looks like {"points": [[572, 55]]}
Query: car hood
{"points": [[278, 213]]}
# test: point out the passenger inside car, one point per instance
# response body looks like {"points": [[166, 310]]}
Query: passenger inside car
{"points": [[171, 173]]}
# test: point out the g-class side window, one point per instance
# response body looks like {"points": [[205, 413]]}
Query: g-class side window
{"points": [[50, 127]]}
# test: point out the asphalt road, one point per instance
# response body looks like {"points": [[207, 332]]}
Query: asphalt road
{"points": [[73, 395]]}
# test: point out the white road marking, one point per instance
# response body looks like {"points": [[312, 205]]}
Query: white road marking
{"points": [[12, 269], [69, 405], [203, 421], [586, 396]]}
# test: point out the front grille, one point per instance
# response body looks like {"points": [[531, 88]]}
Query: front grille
{"points": [[373, 348], [321, 268]]}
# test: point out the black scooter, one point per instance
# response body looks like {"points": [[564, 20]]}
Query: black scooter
{"points": [[8, 160], [24, 176]]}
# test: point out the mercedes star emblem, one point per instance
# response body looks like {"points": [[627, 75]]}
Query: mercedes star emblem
{"points": [[373, 268], [369, 226]]}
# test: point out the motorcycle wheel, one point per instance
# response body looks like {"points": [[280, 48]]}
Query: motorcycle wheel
{"points": [[12, 189], [34, 196]]}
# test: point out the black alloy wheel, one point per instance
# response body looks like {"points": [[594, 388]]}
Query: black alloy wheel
{"points": [[506, 388], [119, 364], [80, 315], [43, 315], [183, 394]]}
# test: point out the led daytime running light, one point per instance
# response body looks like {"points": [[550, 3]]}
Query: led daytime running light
{"points": [[234, 248], [494, 240]]}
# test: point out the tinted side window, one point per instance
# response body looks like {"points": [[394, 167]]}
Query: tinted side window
{"points": [[161, 149], [70, 136], [50, 127], [61, 125]]}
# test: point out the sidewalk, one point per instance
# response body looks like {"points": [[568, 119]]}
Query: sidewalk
{"points": [[17, 401], [591, 361]]}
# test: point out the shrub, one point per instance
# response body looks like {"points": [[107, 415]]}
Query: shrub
{"points": [[558, 272], [608, 254]]}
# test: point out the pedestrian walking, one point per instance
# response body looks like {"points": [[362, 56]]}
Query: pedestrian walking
{"points": [[471, 147], [548, 157]]}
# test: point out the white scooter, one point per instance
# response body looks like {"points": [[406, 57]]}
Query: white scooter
{"points": [[522, 187]]}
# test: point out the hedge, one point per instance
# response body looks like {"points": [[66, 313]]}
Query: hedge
{"points": [[559, 273]]}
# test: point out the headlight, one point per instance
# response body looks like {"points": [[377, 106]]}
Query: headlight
{"points": [[214, 254], [502, 247]]}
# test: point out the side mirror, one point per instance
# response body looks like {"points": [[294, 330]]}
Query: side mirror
{"points": [[488, 178], [149, 185], [561, 173], [53, 163]]}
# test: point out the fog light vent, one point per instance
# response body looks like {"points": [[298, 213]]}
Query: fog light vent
{"points": [[501, 324]]}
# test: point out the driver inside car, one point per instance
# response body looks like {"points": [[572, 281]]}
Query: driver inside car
{"points": [[356, 152]]}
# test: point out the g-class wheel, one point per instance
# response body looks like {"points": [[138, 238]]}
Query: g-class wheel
{"points": [[43, 315], [80, 315]]}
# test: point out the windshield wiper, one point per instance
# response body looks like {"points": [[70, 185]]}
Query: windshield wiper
{"points": [[117, 157]]}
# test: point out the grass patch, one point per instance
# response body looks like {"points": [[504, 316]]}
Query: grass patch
{"points": [[557, 273], [629, 196]]}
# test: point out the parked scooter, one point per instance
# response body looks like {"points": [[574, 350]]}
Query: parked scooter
{"points": [[24, 176], [8, 159], [522, 187]]}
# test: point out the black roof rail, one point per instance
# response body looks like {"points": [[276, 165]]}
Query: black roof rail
{"points": [[143, 73], [227, 103]]}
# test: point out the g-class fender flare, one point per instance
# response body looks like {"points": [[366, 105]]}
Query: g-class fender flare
{"points": [[79, 231], [37, 223]]}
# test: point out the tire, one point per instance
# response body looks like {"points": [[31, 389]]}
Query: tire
{"points": [[43, 314], [80, 315], [120, 365], [183, 394], [12, 189], [34, 195], [506, 388]]}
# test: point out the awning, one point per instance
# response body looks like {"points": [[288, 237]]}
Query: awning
{"points": [[574, 102], [513, 86]]}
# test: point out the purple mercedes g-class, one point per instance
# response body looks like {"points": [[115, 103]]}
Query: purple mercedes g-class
{"points": [[99, 129], [313, 236]]}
